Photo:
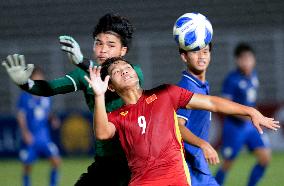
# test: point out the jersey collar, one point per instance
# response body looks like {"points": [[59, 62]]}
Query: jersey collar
{"points": [[194, 79]]}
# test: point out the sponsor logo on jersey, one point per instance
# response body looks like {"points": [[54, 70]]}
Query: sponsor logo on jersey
{"points": [[124, 113], [151, 98]]}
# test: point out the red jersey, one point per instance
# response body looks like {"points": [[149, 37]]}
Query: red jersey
{"points": [[150, 137]]}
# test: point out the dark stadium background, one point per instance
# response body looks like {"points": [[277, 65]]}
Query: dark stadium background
{"points": [[32, 28]]}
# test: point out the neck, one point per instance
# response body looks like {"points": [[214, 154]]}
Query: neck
{"points": [[131, 96], [201, 75]]}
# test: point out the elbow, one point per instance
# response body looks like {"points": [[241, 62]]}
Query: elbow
{"points": [[103, 136]]}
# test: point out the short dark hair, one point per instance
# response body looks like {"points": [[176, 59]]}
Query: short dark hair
{"points": [[111, 22], [108, 62], [181, 51], [242, 47]]}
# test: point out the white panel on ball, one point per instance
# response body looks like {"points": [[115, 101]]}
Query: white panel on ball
{"points": [[192, 31]]}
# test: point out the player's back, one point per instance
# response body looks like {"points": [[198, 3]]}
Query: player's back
{"points": [[36, 110]]}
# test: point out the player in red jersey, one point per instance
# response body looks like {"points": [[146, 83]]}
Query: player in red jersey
{"points": [[147, 124]]}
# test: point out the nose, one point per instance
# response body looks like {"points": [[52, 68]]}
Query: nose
{"points": [[124, 72], [104, 48], [201, 55]]}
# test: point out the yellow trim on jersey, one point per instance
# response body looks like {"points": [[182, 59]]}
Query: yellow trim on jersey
{"points": [[179, 138]]}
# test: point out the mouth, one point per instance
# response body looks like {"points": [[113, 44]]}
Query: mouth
{"points": [[102, 58], [125, 78], [201, 63]]}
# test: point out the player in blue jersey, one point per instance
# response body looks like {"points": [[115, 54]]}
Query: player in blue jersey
{"points": [[241, 86], [196, 123], [33, 117]]}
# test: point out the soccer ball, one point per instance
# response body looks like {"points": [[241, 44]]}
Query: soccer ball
{"points": [[192, 31]]}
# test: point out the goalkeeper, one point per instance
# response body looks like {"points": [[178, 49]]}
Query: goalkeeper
{"points": [[112, 37]]}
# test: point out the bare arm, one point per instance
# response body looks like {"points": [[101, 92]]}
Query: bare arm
{"points": [[209, 152], [224, 106], [103, 129], [26, 134]]}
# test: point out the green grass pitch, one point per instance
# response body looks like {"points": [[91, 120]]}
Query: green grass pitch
{"points": [[71, 169]]}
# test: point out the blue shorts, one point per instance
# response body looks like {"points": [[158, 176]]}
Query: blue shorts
{"points": [[236, 136], [199, 178], [28, 154]]}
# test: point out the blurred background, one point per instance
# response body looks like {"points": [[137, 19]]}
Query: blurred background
{"points": [[32, 28]]}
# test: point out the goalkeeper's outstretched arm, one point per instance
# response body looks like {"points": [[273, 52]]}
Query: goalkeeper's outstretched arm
{"points": [[20, 74]]}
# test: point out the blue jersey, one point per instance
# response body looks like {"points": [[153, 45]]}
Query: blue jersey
{"points": [[238, 132], [241, 89], [197, 121], [36, 110]]}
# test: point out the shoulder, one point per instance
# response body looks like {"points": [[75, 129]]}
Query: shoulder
{"points": [[165, 88], [233, 76], [77, 73], [25, 95]]}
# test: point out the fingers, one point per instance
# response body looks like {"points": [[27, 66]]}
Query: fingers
{"points": [[88, 80], [30, 68], [269, 123], [16, 59], [66, 38], [68, 41], [22, 60], [211, 155], [4, 64], [213, 158], [107, 79], [67, 49], [10, 60], [96, 70]]}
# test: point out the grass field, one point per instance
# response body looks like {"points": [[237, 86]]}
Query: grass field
{"points": [[10, 171]]}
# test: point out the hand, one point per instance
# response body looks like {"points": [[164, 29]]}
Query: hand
{"points": [[28, 138], [69, 45], [99, 86], [210, 154], [258, 119], [17, 69]]}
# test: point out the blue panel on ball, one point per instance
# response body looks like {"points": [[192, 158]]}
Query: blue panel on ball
{"points": [[208, 37], [177, 39], [189, 38], [182, 21]]}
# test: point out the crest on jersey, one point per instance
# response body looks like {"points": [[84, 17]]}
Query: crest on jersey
{"points": [[124, 113], [151, 98]]}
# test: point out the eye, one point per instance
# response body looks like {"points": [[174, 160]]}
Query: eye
{"points": [[98, 43], [115, 72]]}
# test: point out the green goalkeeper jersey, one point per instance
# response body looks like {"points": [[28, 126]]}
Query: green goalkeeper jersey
{"points": [[75, 81]]}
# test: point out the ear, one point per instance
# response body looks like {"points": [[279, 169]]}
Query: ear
{"points": [[110, 87], [183, 57], [123, 51]]}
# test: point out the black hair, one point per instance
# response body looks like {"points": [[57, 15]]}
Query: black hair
{"points": [[242, 47], [181, 51], [108, 62], [111, 22]]}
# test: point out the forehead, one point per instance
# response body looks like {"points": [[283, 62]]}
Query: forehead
{"points": [[117, 64], [108, 37]]}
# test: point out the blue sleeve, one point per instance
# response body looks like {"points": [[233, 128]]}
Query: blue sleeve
{"points": [[185, 113], [21, 104]]}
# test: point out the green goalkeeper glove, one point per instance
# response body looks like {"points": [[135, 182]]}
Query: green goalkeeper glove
{"points": [[69, 45], [17, 69]]}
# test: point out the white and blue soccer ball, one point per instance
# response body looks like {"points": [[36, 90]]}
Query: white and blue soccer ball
{"points": [[192, 31]]}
